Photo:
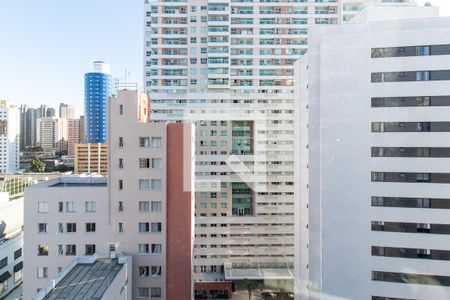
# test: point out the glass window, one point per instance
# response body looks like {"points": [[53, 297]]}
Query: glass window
{"points": [[42, 207], [156, 206]]}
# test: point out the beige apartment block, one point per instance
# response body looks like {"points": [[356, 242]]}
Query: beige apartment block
{"points": [[91, 158], [143, 209]]}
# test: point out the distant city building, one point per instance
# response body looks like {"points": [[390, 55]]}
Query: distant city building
{"points": [[91, 158], [66, 111], [97, 89], [73, 135], [9, 137], [82, 124], [373, 195], [52, 134], [145, 208]]}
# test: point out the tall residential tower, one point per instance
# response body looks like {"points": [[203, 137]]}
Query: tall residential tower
{"points": [[97, 89], [228, 67], [374, 153]]}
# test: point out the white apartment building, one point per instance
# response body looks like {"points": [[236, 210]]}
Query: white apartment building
{"points": [[11, 242], [65, 217], [9, 137], [144, 209], [228, 67], [374, 174]]}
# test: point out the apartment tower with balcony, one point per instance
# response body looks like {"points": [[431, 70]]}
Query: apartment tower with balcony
{"points": [[228, 67]]}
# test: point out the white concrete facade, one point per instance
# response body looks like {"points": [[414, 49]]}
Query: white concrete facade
{"points": [[372, 179], [66, 217], [11, 243]]}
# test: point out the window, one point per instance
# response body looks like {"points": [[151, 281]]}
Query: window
{"points": [[120, 163], [42, 250], [3, 262], [120, 109], [42, 227], [71, 250], [156, 227], [17, 254], [143, 292], [144, 271], [120, 141], [155, 292], [3, 286], [144, 206], [156, 163], [60, 251], [42, 207], [156, 184], [90, 206], [156, 271], [156, 206], [70, 206], [144, 142], [120, 206], [71, 227], [90, 249], [144, 163], [156, 142], [60, 206], [144, 184], [120, 184], [144, 248], [156, 248], [42, 272], [144, 227], [90, 227], [60, 228]]}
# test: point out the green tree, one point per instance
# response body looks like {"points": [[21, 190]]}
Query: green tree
{"points": [[250, 285], [38, 165]]}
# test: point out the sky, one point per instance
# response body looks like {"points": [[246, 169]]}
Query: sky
{"points": [[46, 46]]}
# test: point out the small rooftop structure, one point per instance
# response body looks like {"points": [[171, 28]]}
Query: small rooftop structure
{"points": [[258, 272], [90, 278]]}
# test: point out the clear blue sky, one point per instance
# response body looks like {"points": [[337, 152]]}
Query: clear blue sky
{"points": [[47, 45]]}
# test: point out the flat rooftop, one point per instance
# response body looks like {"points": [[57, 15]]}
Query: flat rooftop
{"points": [[81, 184], [86, 281], [73, 181]]}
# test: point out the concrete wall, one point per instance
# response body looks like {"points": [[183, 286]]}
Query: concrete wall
{"points": [[340, 163]]}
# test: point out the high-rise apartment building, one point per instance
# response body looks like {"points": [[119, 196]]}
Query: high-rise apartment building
{"points": [[9, 137], [81, 130], [228, 67], [52, 134], [46, 133], [97, 89], [144, 209], [374, 103], [73, 135], [66, 111]]}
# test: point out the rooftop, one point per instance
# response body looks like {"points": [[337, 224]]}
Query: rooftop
{"points": [[73, 181], [86, 281]]}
